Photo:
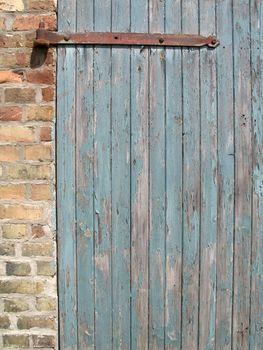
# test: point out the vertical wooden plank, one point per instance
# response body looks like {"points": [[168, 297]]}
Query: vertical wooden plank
{"points": [[157, 182], [84, 182], [173, 181], [139, 181], [121, 180], [243, 167], [226, 159], [66, 181], [191, 182], [256, 314], [208, 222], [102, 181]]}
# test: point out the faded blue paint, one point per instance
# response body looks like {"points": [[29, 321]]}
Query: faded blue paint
{"points": [[174, 162], [102, 181], [256, 299], [209, 184], [225, 171], [191, 181], [243, 170], [159, 174], [139, 180], [157, 182], [121, 181], [66, 184]]}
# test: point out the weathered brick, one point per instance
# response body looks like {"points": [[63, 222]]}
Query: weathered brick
{"points": [[46, 268], [7, 76], [12, 191], [45, 133], [15, 305], [7, 249], [40, 76], [20, 95], [10, 113], [48, 94], [38, 152], [44, 341], [2, 23], [14, 231], [14, 59], [9, 153], [47, 5], [21, 286], [17, 269], [21, 40], [50, 58], [46, 304], [28, 22], [21, 212], [11, 5], [27, 322], [28, 171], [16, 341], [38, 249], [16, 133], [43, 113], [4, 322], [41, 192], [38, 231]]}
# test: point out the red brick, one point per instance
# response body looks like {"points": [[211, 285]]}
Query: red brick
{"points": [[47, 5], [10, 113], [45, 133], [40, 76], [38, 231], [29, 22], [50, 58], [15, 59], [48, 94]]}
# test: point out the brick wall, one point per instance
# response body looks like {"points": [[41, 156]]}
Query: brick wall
{"points": [[27, 208]]}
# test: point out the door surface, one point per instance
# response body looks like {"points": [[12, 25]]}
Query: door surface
{"points": [[160, 180]]}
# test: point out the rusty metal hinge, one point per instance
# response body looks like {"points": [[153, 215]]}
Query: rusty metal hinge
{"points": [[46, 38]]}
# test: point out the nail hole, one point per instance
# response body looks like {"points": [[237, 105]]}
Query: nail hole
{"points": [[116, 37]]}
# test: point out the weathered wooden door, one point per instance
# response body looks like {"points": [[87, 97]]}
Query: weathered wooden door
{"points": [[160, 179]]}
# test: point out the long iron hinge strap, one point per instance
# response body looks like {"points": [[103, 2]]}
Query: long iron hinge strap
{"points": [[45, 37]]}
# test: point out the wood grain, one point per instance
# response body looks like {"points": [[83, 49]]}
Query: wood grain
{"points": [[226, 161], [157, 182], [121, 181], [66, 182], [159, 168], [243, 169], [209, 185], [191, 182], [139, 181], [174, 179], [256, 312], [102, 182], [85, 183]]}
